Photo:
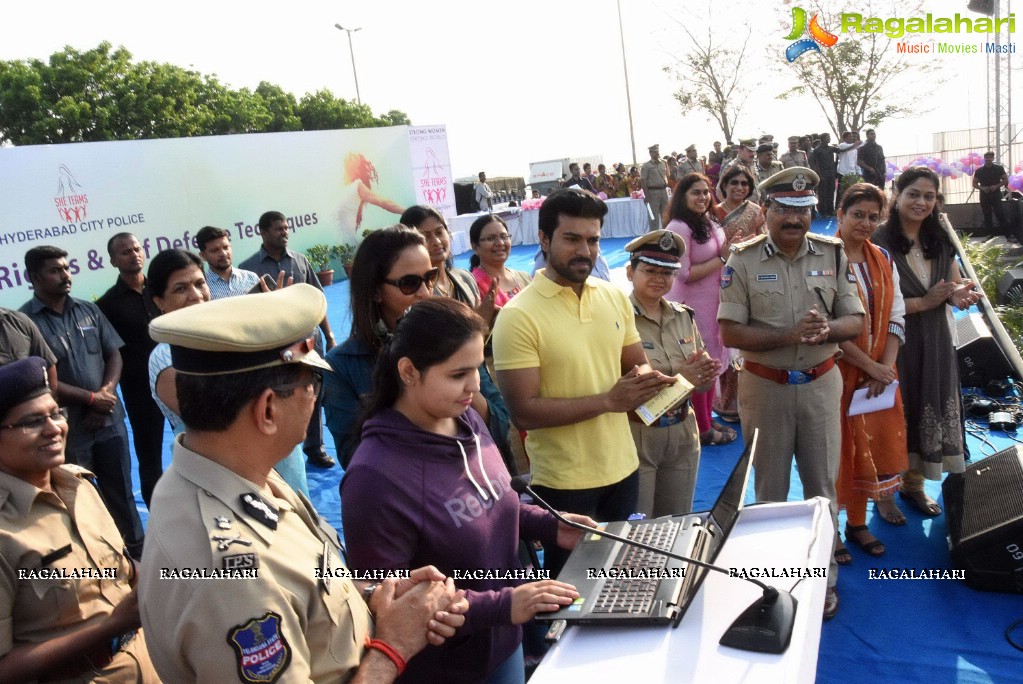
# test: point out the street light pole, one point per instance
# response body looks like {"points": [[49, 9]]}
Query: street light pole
{"points": [[339, 27], [625, 67]]}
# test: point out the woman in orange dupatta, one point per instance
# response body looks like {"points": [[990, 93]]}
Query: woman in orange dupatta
{"points": [[873, 444]]}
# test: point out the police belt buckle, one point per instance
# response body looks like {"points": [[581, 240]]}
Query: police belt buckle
{"points": [[798, 377]]}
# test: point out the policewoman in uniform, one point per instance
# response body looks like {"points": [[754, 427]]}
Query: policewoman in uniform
{"points": [[787, 299], [243, 581], [68, 608], [669, 449]]}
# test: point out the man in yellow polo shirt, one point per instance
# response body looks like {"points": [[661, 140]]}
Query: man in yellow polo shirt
{"points": [[570, 365]]}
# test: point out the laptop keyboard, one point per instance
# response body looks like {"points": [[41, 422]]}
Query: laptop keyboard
{"points": [[635, 595]]}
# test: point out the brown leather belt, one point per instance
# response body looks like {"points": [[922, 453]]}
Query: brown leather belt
{"points": [[789, 377]]}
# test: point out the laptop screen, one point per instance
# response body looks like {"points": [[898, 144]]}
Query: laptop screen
{"points": [[726, 509]]}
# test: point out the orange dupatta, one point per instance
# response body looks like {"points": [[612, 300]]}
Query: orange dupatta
{"points": [[873, 444]]}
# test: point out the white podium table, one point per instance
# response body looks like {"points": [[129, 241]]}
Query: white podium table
{"points": [[782, 536]]}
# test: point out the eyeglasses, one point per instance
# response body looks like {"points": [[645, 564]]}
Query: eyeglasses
{"points": [[740, 183], [316, 380], [410, 284], [503, 237], [662, 274], [791, 211], [35, 424]]}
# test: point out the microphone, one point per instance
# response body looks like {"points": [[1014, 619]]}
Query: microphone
{"points": [[765, 626]]}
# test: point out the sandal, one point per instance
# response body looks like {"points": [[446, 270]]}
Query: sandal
{"points": [[723, 429], [842, 555], [713, 437], [923, 503], [888, 511], [875, 548]]}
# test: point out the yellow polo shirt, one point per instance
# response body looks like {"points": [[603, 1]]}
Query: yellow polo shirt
{"points": [[577, 343]]}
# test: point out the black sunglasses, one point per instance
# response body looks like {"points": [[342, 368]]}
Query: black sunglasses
{"points": [[410, 284]]}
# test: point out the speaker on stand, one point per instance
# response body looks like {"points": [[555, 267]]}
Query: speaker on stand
{"points": [[981, 360]]}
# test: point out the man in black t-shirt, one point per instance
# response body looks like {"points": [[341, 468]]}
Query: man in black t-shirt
{"points": [[989, 180]]}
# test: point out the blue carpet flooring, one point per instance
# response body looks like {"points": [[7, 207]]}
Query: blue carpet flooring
{"points": [[934, 631]]}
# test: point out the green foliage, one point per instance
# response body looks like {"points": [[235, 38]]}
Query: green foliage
{"points": [[989, 265], [321, 255], [101, 94]]}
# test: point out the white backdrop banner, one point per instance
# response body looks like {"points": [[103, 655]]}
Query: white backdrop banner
{"points": [[431, 168], [330, 184]]}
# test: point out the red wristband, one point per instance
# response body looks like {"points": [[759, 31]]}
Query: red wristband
{"points": [[388, 651], [92, 398]]}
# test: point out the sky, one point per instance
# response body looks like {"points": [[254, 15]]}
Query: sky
{"points": [[514, 82]]}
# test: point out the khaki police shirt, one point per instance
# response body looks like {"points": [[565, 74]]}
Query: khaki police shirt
{"points": [[276, 620], [797, 158], [41, 601], [653, 175], [761, 287], [669, 343]]}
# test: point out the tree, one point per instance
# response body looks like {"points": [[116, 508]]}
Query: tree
{"points": [[862, 79], [101, 94], [713, 76]]}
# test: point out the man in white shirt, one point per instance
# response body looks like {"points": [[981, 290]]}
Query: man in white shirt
{"points": [[848, 171], [484, 195]]}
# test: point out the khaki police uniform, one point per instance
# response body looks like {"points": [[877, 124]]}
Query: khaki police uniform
{"points": [[687, 165], [669, 450], [65, 542], [760, 286], [653, 178], [797, 158], [282, 609]]}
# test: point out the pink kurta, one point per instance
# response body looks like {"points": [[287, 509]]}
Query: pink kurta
{"points": [[702, 295]]}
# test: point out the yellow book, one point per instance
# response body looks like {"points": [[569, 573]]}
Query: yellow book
{"points": [[665, 400]]}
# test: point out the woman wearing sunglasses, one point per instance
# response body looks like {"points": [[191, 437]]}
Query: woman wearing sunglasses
{"points": [[176, 280], [491, 243], [451, 282], [738, 213], [68, 604], [392, 270]]}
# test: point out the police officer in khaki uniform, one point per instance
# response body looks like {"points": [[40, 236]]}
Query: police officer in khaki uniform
{"points": [[794, 156], [653, 178], [68, 607], [242, 580], [689, 163], [787, 299], [669, 449], [765, 164]]}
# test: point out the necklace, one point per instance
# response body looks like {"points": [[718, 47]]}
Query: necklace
{"points": [[444, 286]]}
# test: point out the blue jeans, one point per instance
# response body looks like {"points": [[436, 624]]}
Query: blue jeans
{"points": [[511, 671], [604, 504]]}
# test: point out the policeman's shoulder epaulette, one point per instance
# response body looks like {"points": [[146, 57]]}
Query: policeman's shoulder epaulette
{"points": [[824, 238], [78, 471], [743, 246], [680, 307]]}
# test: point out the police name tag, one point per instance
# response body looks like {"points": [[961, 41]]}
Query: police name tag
{"points": [[765, 277]]}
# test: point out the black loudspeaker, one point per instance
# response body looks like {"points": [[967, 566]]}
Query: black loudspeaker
{"points": [[1010, 287], [984, 508], [981, 360]]}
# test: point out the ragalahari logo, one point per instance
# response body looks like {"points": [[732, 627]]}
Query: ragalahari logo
{"points": [[817, 36]]}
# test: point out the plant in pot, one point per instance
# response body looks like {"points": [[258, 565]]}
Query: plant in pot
{"points": [[346, 255], [320, 257]]}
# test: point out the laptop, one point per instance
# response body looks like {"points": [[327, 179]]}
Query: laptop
{"points": [[620, 584]]}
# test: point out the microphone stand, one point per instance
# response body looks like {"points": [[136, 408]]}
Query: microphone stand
{"points": [[765, 626]]}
